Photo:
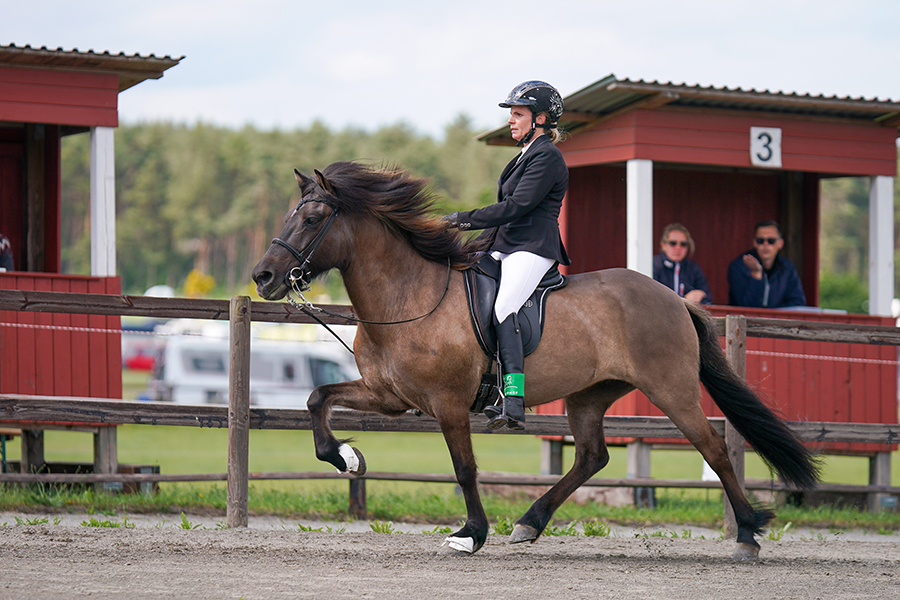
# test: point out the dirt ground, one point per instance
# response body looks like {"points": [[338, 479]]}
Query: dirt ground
{"points": [[67, 560]]}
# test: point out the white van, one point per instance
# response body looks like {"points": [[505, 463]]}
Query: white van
{"points": [[194, 370]]}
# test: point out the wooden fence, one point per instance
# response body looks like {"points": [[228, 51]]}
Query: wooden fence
{"points": [[35, 411]]}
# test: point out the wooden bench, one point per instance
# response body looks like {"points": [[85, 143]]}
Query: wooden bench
{"points": [[32, 443]]}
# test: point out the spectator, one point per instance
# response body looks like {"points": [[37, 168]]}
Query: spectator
{"points": [[6, 257], [675, 270], [763, 278]]}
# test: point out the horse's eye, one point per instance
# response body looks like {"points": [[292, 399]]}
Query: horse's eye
{"points": [[311, 221]]}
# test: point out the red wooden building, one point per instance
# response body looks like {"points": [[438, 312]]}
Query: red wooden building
{"points": [[46, 95], [645, 154]]}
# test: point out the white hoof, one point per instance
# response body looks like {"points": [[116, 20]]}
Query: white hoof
{"points": [[466, 545], [350, 459]]}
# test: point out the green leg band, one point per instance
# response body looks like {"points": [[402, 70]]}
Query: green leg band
{"points": [[514, 384]]}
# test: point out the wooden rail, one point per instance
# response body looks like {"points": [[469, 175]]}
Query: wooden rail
{"points": [[100, 411], [484, 478], [162, 308], [33, 409], [282, 312]]}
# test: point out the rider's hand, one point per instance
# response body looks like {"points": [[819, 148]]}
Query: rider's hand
{"points": [[451, 220]]}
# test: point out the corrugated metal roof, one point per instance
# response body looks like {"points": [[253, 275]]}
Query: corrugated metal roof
{"points": [[131, 69], [604, 98]]}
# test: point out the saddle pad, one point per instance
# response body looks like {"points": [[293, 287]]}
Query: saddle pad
{"points": [[482, 282]]}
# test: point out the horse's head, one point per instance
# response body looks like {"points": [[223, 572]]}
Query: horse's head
{"points": [[301, 251]]}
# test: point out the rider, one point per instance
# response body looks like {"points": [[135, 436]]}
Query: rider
{"points": [[526, 240]]}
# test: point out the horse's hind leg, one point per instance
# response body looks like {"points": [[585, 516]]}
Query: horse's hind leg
{"points": [[687, 415], [585, 415]]}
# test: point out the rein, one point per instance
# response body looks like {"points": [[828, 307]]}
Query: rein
{"points": [[297, 281]]}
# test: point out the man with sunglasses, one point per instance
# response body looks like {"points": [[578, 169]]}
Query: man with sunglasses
{"points": [[762, 278], [675, 270]]}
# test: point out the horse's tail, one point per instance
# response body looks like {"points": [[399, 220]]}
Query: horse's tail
{"points": [[778, 446]]}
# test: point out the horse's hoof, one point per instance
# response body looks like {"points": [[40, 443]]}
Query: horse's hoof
{"points": [[744, 551], [523, 533], [460, 544], [354, 463], [361, 465]]}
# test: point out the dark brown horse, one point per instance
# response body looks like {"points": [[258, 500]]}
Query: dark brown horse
{"points": [[607, 333]]}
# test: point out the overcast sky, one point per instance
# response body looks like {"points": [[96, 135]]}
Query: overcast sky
{"points": [[283, 64]]}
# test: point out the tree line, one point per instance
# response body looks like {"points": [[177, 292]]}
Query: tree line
{"points": [[197, 205], [207, 200]]}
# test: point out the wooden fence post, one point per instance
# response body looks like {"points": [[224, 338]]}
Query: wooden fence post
{"points": [[880, 474], [638, 454], [357, 506], [106, 458], [736, 354], [238, 413], [551, 457]]}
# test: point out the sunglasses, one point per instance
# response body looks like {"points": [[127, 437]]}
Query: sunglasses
{"points": [[769, 241], [674, 243]]}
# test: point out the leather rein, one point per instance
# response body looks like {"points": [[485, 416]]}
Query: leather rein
{"points": [[298, 282]]}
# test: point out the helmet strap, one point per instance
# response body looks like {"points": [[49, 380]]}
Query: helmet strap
{"points": [[527, 137]]}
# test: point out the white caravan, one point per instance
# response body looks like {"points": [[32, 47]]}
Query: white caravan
{"points": [[194, 370]]}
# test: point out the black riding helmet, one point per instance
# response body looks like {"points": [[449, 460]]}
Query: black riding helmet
{"points": [[539, 97]]}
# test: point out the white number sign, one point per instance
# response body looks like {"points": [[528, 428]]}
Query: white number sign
{"points": [[765, 146]]}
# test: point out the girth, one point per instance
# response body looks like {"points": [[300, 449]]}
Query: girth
{"points": [[482, 282]]}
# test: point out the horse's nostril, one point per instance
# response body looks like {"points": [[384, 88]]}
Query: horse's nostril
{"points": [[263, 277]]}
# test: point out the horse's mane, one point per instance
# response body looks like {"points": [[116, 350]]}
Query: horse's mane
{"points": [[404, 205]]}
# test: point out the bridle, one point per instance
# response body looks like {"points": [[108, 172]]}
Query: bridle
{"points": [[298, 278]]}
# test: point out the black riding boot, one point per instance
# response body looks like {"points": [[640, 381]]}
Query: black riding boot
{"points": [[512, 367]]}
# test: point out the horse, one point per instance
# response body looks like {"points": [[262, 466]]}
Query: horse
{"points": [[606, 333]]}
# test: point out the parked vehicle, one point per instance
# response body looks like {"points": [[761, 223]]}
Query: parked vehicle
{"points": [[194, 370]]}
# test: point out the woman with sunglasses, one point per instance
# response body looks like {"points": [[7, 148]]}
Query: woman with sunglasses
{"points": [[675, 270], [762, 278]]}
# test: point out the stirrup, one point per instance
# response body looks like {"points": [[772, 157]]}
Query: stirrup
{"points": [[497, 417]]}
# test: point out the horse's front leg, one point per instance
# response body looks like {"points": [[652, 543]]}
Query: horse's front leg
{"points": [[458, 435], [339, 453]]}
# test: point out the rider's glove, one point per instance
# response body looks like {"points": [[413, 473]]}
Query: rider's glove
{"points": [[452, 221]]}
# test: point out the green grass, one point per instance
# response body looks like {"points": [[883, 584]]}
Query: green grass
{"points": [[195, 450], [134, 383]]}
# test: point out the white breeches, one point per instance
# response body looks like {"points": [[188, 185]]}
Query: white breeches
{"points": [[520, 274]]}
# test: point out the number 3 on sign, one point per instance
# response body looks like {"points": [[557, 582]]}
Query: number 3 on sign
{"points": [[765, 146]]}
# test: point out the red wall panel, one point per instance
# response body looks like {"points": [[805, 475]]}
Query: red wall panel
{"points": [[705, 138], [60, 354], [804, 381], [58, 97]]}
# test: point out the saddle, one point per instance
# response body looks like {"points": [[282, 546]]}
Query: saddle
{"points": [[482, 282]]}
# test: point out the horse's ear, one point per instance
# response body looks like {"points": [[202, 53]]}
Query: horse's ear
{"points": [[303, 182], [326, 185]]}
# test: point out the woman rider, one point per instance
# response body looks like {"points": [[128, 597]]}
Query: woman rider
{"points": [[527, 241]]}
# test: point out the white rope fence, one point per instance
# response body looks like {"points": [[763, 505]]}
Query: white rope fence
{"points": [[846, 359]]}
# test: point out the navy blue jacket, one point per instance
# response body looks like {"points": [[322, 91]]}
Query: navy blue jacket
{"points": [[6, 259], [690, 276], [529, 198], [780, 287]]}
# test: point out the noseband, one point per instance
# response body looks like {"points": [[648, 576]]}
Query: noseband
{"points": [[298, 278]]}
